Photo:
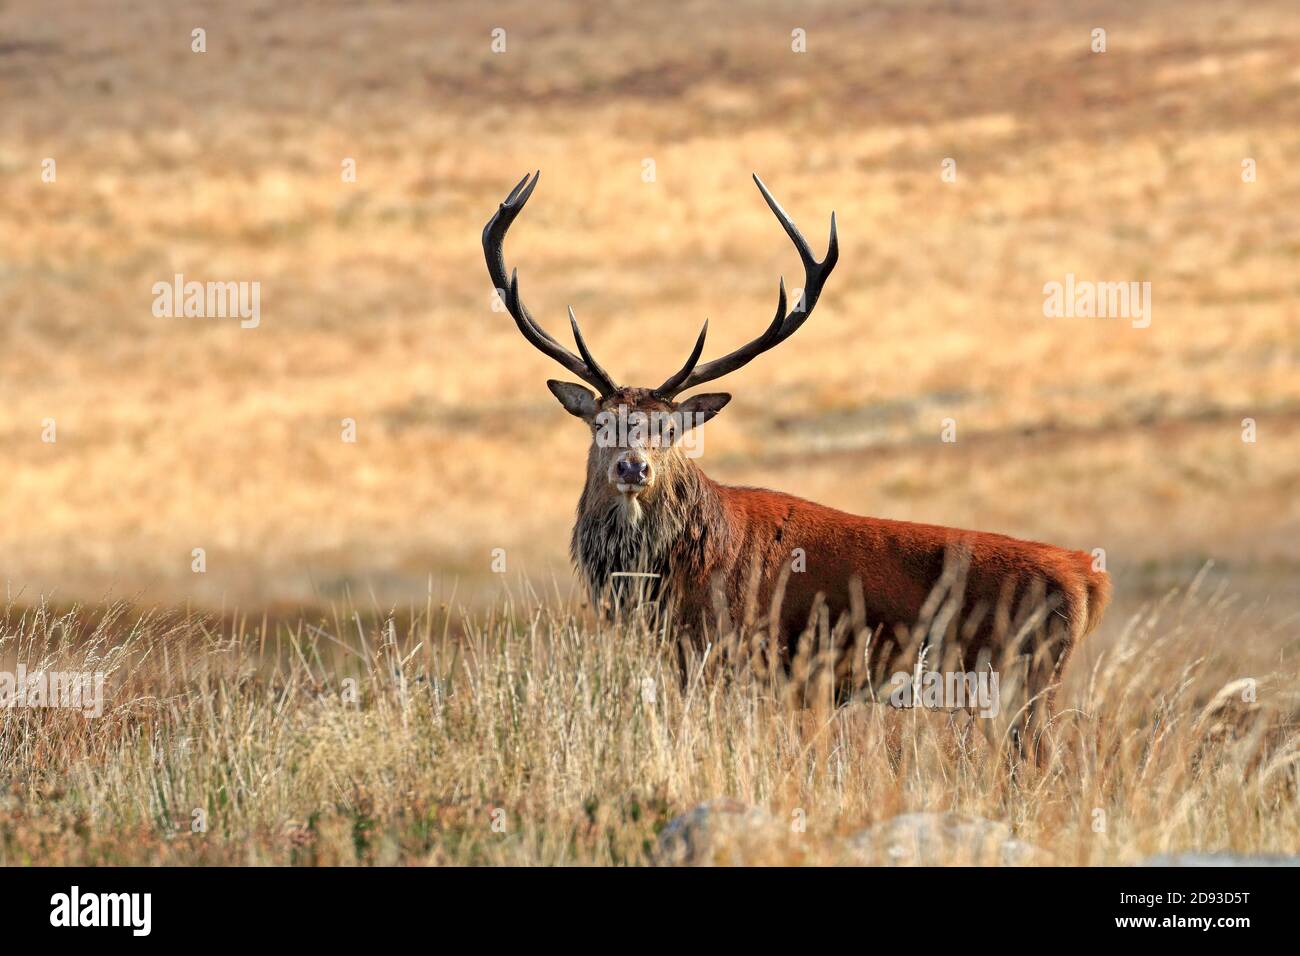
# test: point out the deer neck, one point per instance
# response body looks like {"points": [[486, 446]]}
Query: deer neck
{"points": [[638, 546]]}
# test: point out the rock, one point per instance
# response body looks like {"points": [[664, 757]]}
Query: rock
{"points": [[731, 833], [718, 833], [940, 839], [1195, 858]]}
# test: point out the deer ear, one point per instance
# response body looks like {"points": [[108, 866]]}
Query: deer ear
{"points": [[577, 401], [701, 408]]}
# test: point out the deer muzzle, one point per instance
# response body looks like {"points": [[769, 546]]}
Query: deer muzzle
{"points": [[631, 473]]}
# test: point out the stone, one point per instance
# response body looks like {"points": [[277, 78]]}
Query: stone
{"points": [[1197, 858], [718, 833], [940, 839]]}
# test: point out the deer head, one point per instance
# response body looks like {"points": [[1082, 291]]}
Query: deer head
{"points": [[636, 432]]}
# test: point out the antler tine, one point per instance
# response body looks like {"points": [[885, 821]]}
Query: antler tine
{"points": [[674, 383], [494, 234], [586, 353], [783, 325]]}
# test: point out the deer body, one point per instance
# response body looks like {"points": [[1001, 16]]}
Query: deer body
{"points": [[698, 537], [694, 544]]}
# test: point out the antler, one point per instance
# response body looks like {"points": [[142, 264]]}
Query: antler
{"points": [[494, 234], [783, 326]]}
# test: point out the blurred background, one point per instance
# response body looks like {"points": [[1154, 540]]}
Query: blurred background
{"points": [[175, 433]]}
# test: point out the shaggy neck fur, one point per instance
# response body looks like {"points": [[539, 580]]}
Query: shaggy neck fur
{"points": [[671, 531]]}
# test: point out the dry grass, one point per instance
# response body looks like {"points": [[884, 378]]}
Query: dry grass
{"points": [[540, 719]]}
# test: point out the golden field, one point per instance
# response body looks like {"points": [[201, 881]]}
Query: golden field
{"points": [[176, 433]]}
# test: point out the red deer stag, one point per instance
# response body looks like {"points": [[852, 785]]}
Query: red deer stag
{"points": [[647, 508]]}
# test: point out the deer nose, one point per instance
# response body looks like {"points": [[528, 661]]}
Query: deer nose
{"points": [[633, 472]]}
